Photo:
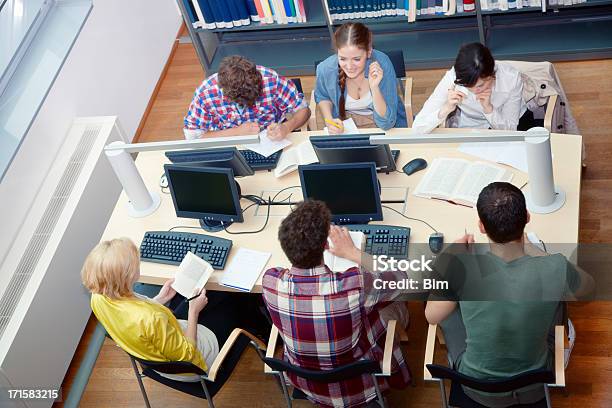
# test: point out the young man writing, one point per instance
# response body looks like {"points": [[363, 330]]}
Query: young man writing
{"points": [[242, 99]]}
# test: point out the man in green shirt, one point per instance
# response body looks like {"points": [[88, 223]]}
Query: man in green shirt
{"points": [[508, 297]]}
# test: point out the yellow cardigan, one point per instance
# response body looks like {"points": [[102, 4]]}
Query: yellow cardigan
{"points": [[145, 329]]}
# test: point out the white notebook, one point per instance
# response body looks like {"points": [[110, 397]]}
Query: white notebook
{"points": [[294, 157], [337, 264], [192, 274], [245, 268], [459, 181]]}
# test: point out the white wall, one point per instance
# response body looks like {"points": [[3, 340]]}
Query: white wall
{"points": [[112, 70]]}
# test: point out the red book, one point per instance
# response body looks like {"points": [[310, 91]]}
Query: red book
{"points": [[303, 11], [468, 5], [260, 12]]}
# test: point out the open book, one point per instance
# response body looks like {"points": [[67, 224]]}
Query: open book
{"points": [[459, 181], [192, 274], [294, 157], [337, 264]]}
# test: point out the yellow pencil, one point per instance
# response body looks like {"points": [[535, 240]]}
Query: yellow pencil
{"points": [[333, 123]]}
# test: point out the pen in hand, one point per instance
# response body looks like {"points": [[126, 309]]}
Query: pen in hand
{"points": [[333, 123], [193, 297]]}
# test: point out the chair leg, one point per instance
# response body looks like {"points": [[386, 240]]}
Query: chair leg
{"points": [[443, 394], [381, 399], [281, 380], [547, 395], [139, 378], [208, 397]]}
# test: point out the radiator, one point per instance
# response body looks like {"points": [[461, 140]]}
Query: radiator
{"points": [[43, 306]]}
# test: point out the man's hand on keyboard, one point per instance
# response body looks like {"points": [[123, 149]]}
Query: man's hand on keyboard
{"points": [[342, 244]]}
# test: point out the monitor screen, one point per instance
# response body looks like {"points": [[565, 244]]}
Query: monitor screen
{"points": [[352, 149], [225, 157], [351, 191], [206, 193]]}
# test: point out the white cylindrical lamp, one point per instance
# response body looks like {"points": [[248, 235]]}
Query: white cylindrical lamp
{"points": [[141, 201], [542, 195]]}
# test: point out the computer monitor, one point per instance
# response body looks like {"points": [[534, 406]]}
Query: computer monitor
{"points": [[351, 191], [209, 194], [224, 157], [353, 149]]}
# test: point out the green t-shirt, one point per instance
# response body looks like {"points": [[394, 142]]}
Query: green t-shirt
{"points": [[508, 309]]}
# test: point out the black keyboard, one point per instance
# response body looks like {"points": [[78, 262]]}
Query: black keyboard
{"points": [[259, 162], [170, 247], [384, 239]]}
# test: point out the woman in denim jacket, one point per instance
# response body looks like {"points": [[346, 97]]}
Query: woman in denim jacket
{"points": [[358, 82]]}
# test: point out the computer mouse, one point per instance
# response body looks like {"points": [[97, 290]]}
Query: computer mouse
{"points": [[414, 165], [436, 242]]}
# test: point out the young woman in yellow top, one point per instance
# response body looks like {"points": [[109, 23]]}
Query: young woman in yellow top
{"points": [[141, 326]]}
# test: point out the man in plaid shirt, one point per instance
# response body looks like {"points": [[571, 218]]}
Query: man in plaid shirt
{"points": [[329, 319], [242, 99]]}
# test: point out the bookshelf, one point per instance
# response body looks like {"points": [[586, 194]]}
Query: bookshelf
{"points": [[563, 32], [314, 12]]}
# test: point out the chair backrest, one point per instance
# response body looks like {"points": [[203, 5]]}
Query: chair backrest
{"points": [[397, 59], [344, 372], [494, 386], [298, 84]]}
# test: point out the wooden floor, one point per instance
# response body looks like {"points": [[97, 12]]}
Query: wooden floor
{"points": [[589, 90]]}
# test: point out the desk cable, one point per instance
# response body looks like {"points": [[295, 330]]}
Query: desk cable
{"points": [[251, 232], [410, 218]]}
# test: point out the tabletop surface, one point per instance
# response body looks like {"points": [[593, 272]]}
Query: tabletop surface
{"points": [[451, 220]]}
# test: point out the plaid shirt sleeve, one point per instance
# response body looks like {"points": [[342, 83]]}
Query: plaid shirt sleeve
{"points": [[288, 99], [197, 116]]}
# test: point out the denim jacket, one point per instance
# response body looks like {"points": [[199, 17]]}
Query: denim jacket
{"points": [[327, 89]]}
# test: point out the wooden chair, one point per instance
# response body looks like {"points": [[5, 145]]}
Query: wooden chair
{"points": [[278, 367], [458, 398], [209, 382]]}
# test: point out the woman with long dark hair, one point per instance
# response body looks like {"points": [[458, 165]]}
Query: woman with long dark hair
{"points": [[477, 92]]}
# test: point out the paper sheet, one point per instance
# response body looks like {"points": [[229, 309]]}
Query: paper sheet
{"points": [[267, 146], [510, 153], [338, 264], [349, 127], [193, 273], [245, 268]]}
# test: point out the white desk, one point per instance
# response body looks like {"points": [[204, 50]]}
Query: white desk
{"points": [[452, 220]]}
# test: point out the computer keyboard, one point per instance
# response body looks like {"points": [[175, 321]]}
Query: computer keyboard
{"points": [[260, 162], [170, 247], [384, 239]]}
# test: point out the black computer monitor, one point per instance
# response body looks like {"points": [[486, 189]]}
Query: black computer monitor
{"points": [[209, 194], [225, 157], [352, 149], [351, 191]]}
